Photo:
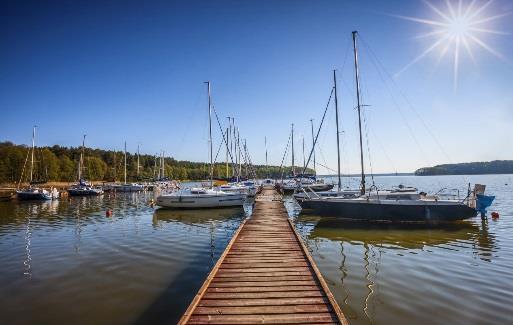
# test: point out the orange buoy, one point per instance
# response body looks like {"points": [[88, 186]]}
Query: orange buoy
{"points": [[108, 213], [495, 215]]}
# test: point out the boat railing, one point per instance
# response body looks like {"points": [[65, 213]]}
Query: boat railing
{"points": [[449, 193], [312, 192]]}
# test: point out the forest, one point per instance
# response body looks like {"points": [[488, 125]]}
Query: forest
{"points": [[57, 163], [471, 168]]}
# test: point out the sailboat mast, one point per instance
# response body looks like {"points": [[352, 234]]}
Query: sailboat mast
{"points": [[226, 164], [246, 162], [357, 78], [231, 143], [163, 162], [304, 159], [32, 154], [210, 135], [81, 161], [125, 162], [265, 145], [155, 167], [235, 169], [137, 161], [313, 145], [338, 132], [293, 168], [240, 161]]}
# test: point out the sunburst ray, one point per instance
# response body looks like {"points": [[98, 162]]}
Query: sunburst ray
{"points": [[422, 55], [457, 26]]}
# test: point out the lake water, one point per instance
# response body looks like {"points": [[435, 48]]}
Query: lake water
{"points": [[66, 262]]}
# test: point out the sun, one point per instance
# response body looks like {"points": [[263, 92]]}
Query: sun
{"points": [[457, 27]]}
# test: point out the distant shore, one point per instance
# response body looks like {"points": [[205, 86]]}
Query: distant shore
{"points": [[472, 168]]}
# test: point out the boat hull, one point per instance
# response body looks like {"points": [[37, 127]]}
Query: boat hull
{"points": [[28, 196], [342, 194], [200, 202], [313, 187], [75, 192], [129, 188], [379, 211]]}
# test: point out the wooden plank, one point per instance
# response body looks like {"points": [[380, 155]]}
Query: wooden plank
{"points": [[222, 284], [265, 269], [263, 274], [236, 278], [253, 310], [317, 318], [250, 260], [262, 302], [263, 289], [263, 295], [264, 265]]}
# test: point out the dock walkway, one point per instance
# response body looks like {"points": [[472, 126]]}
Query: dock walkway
{"points": [[266, 275]]}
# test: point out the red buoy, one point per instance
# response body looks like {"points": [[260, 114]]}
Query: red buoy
{"points": [[495, 215]]}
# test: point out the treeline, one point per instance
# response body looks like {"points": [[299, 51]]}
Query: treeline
{"points": [[472, 168], [58, 163]]}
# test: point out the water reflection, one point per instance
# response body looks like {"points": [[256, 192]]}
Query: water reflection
{"points": [[453, 235], [195, 217], [363, 245], [393, 235], [28, 242], [485, 242], [201, 218]]}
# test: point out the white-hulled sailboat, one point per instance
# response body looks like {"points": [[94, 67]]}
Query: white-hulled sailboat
{"points": [[128, 187], [34, 192], [196, 198]]}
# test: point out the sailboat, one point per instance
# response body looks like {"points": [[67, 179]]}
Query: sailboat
{"points": [[34, 192], [339, 192], [302, 181], [195, 198], [83, 188], [128, 187], [237, 183], [388, 206]]}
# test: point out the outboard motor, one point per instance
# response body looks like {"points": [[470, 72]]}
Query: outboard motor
{"points": [[480, 201]]}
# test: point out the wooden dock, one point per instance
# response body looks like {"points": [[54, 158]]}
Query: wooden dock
{"points": [[266, 275]]}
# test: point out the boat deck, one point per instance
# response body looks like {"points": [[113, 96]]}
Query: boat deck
{"points": [[266, 275]]}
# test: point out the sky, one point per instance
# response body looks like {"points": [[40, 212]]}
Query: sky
{"points": [[134, 71]]}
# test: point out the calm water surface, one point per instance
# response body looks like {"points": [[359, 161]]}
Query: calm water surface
{"points": [[458, 273], [65, 262]]}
